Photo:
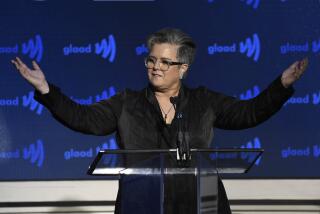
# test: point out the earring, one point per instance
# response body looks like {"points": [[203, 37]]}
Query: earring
{"points": [[181, 75]]}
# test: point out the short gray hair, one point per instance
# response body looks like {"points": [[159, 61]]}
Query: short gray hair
{"points": [[187, 48]]}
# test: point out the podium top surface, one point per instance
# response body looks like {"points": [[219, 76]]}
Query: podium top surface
{"points": [[164, 161]]}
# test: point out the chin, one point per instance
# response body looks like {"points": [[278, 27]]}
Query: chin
{"points": [[157, 84]]}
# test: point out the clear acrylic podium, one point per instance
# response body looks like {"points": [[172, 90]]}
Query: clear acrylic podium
{"points": [[154, 181]]}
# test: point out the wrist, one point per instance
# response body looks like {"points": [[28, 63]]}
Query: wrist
{"points": [[284, 82], [43, 88]]}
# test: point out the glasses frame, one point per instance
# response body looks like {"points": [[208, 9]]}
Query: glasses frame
{"points": [[170, 63]]}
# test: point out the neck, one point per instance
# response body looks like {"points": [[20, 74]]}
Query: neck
{"points": [[168, 92]]}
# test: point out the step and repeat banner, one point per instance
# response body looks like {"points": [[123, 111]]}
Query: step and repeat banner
{"points": [[94, 49]]}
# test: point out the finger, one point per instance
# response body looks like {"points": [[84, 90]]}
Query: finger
{"points": [[305, 63], [15, 63], [20, 63], [302, 66], [35, 65], [294, 68], [294, 65], [23, 70]]}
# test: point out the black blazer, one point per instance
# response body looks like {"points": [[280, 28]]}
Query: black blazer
{"points": [[136, 118]]}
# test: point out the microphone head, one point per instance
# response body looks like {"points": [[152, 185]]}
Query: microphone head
{"points": [[174, 100]]}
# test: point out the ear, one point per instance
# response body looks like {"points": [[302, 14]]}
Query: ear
{"points": [[184, 67], [183, 70]]}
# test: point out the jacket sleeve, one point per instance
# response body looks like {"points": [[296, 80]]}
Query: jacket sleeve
{"points": [[97, 119], [232, 113]]}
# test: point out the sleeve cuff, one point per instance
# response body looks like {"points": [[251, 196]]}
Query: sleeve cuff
{"points": [[48, 98], [278, 86]]}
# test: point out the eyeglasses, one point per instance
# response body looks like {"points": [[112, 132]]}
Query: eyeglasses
{"points": [[164, 64]]}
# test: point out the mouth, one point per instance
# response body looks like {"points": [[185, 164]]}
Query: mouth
{"points": [[156, 75]]}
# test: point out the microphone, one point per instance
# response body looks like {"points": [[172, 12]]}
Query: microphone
{"points": [[183, 150], [174, 101]]}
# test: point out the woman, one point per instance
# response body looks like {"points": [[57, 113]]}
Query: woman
{"points": [[146, 119]]}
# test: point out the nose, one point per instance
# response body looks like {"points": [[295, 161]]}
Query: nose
{"points": [[157, 65]]}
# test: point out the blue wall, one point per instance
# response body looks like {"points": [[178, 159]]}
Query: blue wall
{"points": [[92, 50]]}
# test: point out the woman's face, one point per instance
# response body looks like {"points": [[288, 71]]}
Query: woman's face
{"points": [[164, 79]]}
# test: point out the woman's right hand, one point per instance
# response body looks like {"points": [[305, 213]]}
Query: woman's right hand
{"points": [[35, 77]]}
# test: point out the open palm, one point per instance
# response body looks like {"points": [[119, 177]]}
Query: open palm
{"points": [[34, 76]]}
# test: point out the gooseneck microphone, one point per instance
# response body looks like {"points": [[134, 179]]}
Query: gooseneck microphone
{"points": [[183, 147], [174, 101]]}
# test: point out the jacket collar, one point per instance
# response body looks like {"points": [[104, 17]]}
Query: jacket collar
{"points": [[182, 98]]}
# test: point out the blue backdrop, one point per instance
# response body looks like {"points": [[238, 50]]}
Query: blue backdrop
{"points": [[94, 49]]}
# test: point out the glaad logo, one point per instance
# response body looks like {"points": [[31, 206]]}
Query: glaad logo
{"points": [[106, 48], [306, 47], [10, 154], [250, 93], [28, 101], [91, 152], [141, 49], [316, 98], [250, 47], [299, 100], [110, 159], [9, 102], [253, 3], [309, 151], [311, 98], [255, 144], [32, 48], [34, 153], [105, 94], [316, 46]]}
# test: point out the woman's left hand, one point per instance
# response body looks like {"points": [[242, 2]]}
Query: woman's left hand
{"points": [[294, 72]]}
